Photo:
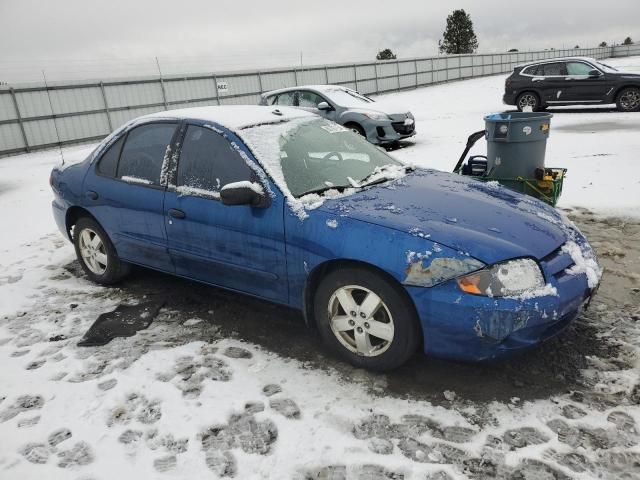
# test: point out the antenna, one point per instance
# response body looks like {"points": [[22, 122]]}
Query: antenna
{"points": [[55, 125]]}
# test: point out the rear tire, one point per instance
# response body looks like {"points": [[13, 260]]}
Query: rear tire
{"points": [[96, 253], [628, 100], [366, 319], [528, 99]]}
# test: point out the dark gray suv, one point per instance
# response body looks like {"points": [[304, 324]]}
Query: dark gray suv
{"points": [[571, 81]]}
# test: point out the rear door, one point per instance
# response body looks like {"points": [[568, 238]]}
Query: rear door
{"points": [[552, 82], [236, 247], [123, 191]]}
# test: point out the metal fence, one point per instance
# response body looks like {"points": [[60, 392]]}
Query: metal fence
{"points": [[37, 116]]}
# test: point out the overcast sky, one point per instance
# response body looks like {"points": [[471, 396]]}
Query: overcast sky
{"points": [[91, 39]]}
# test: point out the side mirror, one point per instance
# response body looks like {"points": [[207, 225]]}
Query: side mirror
{"points": [[324, 106], [244, 193], [595, 73]]}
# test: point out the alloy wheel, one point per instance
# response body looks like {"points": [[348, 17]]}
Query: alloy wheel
{"points": [[93, 251], [361, 321], [630, 99], [528, 100]]}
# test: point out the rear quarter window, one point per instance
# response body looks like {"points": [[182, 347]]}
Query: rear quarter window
{"points": [[108, 163]]}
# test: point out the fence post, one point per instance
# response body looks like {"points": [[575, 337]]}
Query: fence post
{"points": [[24, 134], [295, 74], [326, 75], [375, 69], [415, 67], [355, 75], [260, 82], [398, 73], [106, 107], [215, 86]]}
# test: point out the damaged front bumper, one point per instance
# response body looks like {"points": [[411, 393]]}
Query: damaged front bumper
{"points": [[468, 327]]}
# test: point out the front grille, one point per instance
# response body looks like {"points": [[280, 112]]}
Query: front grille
{"points": [[556, 263], [403, 129]]}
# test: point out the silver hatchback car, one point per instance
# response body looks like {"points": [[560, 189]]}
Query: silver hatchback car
{"points": [[380, 122]]}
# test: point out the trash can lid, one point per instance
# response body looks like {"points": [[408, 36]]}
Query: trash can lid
{"points": [[517, 116]]}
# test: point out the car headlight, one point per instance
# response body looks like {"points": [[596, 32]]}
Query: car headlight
{"points": [[376, 115], [504, 279]]}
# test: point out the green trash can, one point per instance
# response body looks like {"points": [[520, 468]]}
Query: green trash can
{"points": [[516, 143]]}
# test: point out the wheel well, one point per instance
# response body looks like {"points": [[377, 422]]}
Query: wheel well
{"points": [[319, 272], [620, 89], [354, 124], [73, 215]]}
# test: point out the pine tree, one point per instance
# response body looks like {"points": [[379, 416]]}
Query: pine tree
{"points": [[603, 44], [458, 36], [386, 54], [627, 41]]}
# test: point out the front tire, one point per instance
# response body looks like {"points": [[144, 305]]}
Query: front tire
{"points": [[356, 128], [628, 100], [96, 254], [528, 99], [365, 319]]}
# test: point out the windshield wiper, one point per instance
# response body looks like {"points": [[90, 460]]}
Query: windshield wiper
{"points": [[366, 181], [321, 190]]}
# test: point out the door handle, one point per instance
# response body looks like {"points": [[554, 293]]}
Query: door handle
{"points": [[92, 195], [175, 213]]}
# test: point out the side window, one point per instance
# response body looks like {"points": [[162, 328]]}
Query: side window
{"points": [[534, 70], [272, 100], [208, 162], [309, 99], [286, 99], [554, 69], [578, 68], [143, 153], [109, 161]]}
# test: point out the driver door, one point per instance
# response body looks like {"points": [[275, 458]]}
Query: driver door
{"points": [[308, 100], [236, 247]]}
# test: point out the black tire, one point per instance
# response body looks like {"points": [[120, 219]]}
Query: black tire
{"points": [[356, 128], [396, 308], [530, 99], [628, 99], [115, 269]]}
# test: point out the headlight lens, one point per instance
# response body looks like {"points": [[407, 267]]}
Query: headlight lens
{"points": [[504, 279], [376, 115]]}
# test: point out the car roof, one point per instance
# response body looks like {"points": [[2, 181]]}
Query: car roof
{"points": [[560, 59], [233, 117], [317, 88]]}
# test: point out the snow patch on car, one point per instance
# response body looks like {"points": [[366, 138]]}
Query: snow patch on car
{"points": [[585, 263]]}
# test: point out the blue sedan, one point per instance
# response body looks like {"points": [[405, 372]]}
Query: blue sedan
{"points": [[381, 257]]}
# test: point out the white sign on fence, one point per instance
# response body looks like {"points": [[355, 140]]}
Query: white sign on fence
{"points": [[223, 88]]}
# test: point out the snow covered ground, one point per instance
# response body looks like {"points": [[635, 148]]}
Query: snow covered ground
{"points": [[220, 385]]}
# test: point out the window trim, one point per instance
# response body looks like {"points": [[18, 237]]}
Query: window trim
{"points": [[557, 76], [125, 135]]}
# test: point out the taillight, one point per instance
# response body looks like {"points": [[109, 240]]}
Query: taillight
{"points": [[507, 82]]}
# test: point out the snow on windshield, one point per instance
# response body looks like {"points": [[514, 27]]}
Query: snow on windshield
{"points": [[311, 163], [347, 98], [606, 68]]}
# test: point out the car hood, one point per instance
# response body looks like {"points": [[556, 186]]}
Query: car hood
{"points": [[484, 220], [393, 109], [629, 75]]}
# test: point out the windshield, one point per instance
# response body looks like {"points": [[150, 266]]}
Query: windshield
{"points": [[313, 155], [347, 98], [606, 67]]}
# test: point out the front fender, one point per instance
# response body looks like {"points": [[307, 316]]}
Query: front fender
{"points": [[410, 258]]}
